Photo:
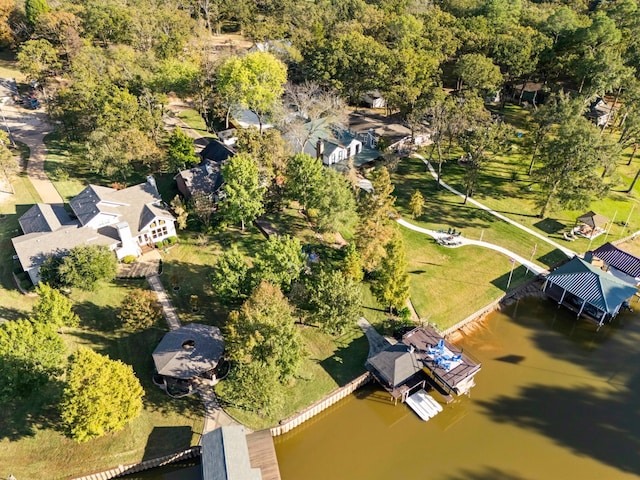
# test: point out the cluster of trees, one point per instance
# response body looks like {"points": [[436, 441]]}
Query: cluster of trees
{"points": [[99, 395]]}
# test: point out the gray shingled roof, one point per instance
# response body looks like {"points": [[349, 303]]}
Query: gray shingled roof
{"points": [[216, 151], [618, 259], [203, 179], [225, 455], [33, 248], [174, 358], [136, 205], [395, 364], [590, 283], [43, 217]]}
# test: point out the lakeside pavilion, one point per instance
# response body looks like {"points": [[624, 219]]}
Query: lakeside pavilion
{"points": [[423, 356], [584, 288]]}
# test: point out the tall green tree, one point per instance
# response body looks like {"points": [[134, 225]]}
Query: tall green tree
{"points": [[478, 73], [334, 203], [229, 278], [84, 266], [53, 308], [279, 262], [303, 179], [352, 264], [254, 81], [264, 331], [38, 60], [243, 193], [335, 301], [391, 280], [416, 204], [374, 230], [101, 395], [30, 355], [181, 150], [569, 160]]}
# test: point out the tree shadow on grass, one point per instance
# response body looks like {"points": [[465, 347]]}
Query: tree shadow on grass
{"points": [[23, 416], [7, 313], [487, 473], [347, 362], [160, 437], [103, 318]]}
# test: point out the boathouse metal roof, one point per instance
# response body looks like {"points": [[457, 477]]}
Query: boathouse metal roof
{"points": [[225, 455], [618, 259], [588, 282]]}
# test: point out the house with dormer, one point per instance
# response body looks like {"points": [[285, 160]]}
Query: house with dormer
{"points": [[128, 221]]}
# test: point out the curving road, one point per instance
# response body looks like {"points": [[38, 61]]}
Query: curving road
{"points": [[567, 251]]}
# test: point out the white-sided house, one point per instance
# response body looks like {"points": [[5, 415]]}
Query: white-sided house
{"points": [[125, 220], [332, 152], [374, 99]]}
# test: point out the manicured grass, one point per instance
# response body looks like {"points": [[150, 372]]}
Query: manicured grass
{"points": [[631, 246], [192, 118], [445, 210], [331, 362], [449, 284]]}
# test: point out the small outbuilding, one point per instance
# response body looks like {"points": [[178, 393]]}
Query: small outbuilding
{"points": [[184, 354], [590, 224], [622, 264]]}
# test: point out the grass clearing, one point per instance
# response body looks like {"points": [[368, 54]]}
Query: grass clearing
{"points": [[193, 118], [331, 363]]}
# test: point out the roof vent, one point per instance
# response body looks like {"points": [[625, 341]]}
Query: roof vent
{"points": [[189, 344]]}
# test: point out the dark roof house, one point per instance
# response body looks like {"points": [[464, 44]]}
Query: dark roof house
{"points": [[204, 179], [189, 351], [216, 151]]}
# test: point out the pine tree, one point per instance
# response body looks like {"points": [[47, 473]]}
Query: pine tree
{"points": [[416, 204], [391, 282]]}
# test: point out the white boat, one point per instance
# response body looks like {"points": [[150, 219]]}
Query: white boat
{"points": [[422, 406]]}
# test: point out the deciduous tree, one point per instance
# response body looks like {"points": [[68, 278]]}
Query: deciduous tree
{"points": [[30, 354], [101, 395], [280, 261], [53, 308], [139, 310], [243, 193], [229, 277], [86, 265], [180, 150], [335, 301]]}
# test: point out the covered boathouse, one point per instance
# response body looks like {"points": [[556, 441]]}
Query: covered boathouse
{"points": [[423, 356], [589, 291], [622, 264]]}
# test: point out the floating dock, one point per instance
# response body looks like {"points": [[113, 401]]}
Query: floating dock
{"points": [[424, 405]]}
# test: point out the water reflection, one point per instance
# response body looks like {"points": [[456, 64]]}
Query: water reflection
{"points": [[555, 399]]}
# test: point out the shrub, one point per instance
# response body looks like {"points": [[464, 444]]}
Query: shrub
{"points": [[172, 240], [158, 244], [129, 259], [165, 242]]}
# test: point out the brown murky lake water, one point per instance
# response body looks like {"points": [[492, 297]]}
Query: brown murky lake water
{"points": [[554, 400]]}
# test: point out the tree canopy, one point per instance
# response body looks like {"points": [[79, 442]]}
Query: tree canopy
{"points": [[101, 395], [83, 267]]}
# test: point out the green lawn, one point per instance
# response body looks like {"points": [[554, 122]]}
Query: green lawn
{"points": [[331, 362], [192, 118]]}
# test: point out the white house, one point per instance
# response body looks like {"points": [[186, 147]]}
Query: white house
{"points": [[332, 152], [373, 99], [125, 220]]}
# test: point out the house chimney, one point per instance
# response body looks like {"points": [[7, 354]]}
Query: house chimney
{"points": [[152, 181], [319, 149]]}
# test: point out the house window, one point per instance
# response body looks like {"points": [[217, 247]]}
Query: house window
{"points": [[159, 232], [161, 222]]}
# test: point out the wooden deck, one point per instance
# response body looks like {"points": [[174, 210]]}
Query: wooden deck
{"points": [[424, 338], [262, 454]]}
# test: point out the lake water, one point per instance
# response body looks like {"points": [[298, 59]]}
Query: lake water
{"points": [[554, 400]]}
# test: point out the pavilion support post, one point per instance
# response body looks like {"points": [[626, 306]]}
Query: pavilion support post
{"points": [[582, 307], [564, 292], [544, 285]]}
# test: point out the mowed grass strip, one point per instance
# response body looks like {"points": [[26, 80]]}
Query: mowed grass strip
{"points": [[449, 284]]}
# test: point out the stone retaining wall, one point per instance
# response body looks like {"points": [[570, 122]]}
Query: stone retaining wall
{"points": [[310, 412], [146, 465]]}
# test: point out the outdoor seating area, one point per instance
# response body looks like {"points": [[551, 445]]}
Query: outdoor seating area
{"points": [[449, 237], [440, 356]]}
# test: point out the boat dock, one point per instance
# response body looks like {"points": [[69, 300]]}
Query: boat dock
{"points": [[424, 405]]}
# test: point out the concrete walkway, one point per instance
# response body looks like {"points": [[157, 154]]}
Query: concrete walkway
{"points": [[30, 127], [466, 241], [214, 416], [168, 309], [567, 251], [172, 120], [377, 342]]}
